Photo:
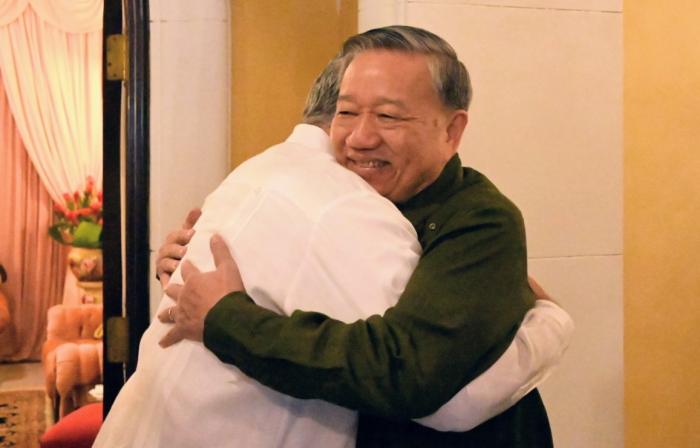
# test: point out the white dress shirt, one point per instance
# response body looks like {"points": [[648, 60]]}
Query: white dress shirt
{"points": [[307, 234]]}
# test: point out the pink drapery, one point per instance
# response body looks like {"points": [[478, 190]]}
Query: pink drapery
{"points": [[50, 60], [35, 264], [50, 76]]}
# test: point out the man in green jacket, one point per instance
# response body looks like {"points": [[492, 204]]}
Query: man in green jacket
{"points": [[401, 112]]}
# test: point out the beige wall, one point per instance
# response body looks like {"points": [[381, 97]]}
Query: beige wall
{"points": [[662, 216], [546, 126], [278, 49]]}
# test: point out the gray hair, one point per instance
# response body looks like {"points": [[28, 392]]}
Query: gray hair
{"points": [[320, 103], [450, 77]]}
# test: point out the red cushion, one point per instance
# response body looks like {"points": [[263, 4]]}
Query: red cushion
{"points": [[76, 430]]}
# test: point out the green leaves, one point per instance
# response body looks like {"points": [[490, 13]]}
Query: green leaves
{"points": [[88, 234]]}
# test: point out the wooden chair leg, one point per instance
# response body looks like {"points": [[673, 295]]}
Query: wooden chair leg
{"points": [[68, 404], [56, 406]]}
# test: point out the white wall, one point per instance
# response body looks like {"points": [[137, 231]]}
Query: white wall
{"points": [[546, 127], [190, 91]]}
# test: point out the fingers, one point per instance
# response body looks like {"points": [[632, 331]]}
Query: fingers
{"points": [[173, 291], [540, 293], [173, 336], [166, 266], [179, 237], [225, 264], [188, 270], [167, 315], [173, 250], [219, 249], [192, 218], [164, 279], [174, 247], [169, 256]]}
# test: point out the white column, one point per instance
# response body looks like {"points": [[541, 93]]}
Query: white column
{"points": [[190, 96]]}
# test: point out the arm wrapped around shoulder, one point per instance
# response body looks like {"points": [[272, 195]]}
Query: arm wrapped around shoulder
{"points": [[458, 314]]}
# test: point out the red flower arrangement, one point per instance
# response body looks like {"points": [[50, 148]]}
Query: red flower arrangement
{"points": [[78, 222]]}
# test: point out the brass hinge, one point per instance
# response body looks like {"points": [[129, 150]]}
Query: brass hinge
{"points": [[117, 339], [117, 57]]}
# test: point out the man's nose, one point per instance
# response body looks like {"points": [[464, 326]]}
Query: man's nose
{"points": [[364, 134]]}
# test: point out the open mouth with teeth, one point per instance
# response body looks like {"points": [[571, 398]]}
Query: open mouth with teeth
{"points": [[368, 164], [374, 171]]}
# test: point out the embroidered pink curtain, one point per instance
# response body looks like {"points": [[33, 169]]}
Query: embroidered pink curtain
{"points": [[35, 264]]}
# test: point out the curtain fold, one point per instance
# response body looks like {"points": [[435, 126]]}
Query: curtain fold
{"points": [[35, 264], [11, 9], [50, 141], [72, 16], [53, 83]]}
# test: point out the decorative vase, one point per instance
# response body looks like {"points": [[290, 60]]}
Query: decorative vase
{"points": [[86, 265], [92, 292]]}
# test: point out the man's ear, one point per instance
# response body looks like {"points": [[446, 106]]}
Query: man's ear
{"points": [[455, 127]]}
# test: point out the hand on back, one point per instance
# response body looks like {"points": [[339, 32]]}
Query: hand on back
{"points": [[175, 247]]}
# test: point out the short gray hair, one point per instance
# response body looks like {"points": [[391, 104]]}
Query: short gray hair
{"points": [[450, 76], [320, 103]]}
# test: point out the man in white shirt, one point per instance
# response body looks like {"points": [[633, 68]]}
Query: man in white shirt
{"points": [[305, 229]]}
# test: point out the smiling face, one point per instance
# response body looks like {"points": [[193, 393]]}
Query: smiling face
{"points": [[390, 126]]}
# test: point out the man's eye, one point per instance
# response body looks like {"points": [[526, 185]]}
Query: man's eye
{"points": [[346, 113], [388, 117]]}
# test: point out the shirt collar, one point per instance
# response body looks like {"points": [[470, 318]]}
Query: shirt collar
{"points": [[311, 136], [449, 180]]}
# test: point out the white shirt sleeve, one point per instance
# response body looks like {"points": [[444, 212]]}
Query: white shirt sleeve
{"points": [[352, 262], [536, 350]]}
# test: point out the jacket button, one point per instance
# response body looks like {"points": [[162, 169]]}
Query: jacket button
{"points": [[432, 226]]}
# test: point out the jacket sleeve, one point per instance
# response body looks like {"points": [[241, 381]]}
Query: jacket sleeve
{"points": [[458, 313], [535, 352]]}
